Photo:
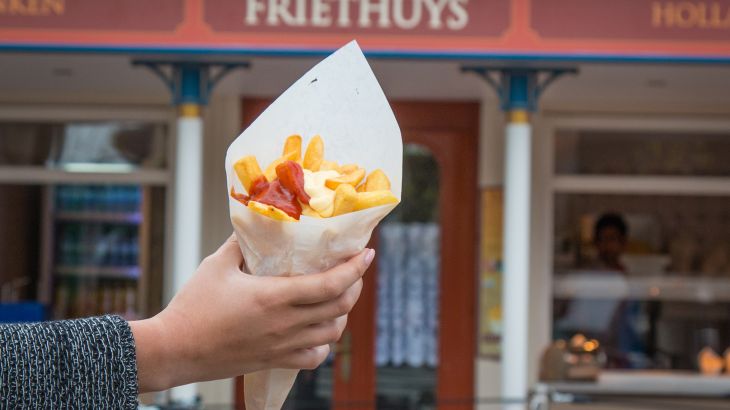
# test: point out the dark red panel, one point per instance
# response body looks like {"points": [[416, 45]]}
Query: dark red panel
{"points": [[128, 15], [632, 19], [388, 17]]}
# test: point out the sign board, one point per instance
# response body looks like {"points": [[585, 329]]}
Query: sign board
{"points": [[664, 30]]}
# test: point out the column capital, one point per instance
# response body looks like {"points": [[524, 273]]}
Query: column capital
{"points": [[519, 88], [190, 82]]}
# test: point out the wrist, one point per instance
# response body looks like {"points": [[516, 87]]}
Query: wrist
{"points": [[155, 360]]}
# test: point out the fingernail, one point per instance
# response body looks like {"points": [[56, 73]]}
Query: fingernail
{"points": [[369, 255]]}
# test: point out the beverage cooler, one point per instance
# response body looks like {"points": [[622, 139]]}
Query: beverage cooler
{"points": [[82, 217], [95, 234]]}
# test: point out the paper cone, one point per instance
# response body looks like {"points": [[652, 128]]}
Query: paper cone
{"points": [[268, 389], [341, 100]]}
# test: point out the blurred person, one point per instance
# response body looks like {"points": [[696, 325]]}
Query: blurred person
{"points": [[222, 323], [615, 322], [610, 234], [624, 343]]}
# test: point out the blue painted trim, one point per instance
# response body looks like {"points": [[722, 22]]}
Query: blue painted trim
{"points": [[520, 90], [190, 85], [318, 52], [518, 87]]}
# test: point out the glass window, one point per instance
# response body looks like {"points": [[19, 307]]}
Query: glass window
{"points": [[651, 282], [84, 146], [406, 344], [642, 153], [75, 249]]}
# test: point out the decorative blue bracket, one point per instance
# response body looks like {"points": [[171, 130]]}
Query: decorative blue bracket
{"points": [[518, 88], [190, 82]]}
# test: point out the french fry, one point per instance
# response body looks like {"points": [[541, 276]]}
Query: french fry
{"points": [[270, 211], [346, 169], [270, 172], [247, 169], [376, 181], [314, 155], [374, 198], [353, 178], [329, 166], [345, 199], [294, 143]]}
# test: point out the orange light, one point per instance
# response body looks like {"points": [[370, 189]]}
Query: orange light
{"points": [[590, 345]]}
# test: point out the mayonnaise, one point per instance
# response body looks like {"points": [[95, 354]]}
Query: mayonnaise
{"points": [[321, 197]]}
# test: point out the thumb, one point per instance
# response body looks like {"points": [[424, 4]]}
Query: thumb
{"points": [[230, 252]]}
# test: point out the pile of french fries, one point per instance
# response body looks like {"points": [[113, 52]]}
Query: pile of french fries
{"points": [[283, 191]]}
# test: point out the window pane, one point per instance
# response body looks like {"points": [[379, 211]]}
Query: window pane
{"points": [[408, 289], [654, 293], [642, 153], [84, 146]]}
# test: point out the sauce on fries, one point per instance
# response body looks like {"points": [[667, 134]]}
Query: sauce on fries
{"points": [[291, 185]]}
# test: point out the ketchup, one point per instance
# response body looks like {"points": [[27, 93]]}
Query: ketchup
{"points": [[291, 176], [259, 184], [242, 198], [277, 195], [284, 193]]}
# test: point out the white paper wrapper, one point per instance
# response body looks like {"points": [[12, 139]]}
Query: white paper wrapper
{"points": [[341, 100]]}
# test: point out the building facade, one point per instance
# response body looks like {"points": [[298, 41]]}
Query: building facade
{"points": [[508, 171]]}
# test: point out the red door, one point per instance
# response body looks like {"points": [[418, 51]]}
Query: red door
{"points": [[440, 168]]}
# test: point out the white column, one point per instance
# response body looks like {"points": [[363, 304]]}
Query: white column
{"points": [[187, 214], [515, 298]]}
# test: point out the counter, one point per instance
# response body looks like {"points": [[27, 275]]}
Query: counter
{"points": [[637, 389]]}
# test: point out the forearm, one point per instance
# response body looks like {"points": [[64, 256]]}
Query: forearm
{"points": [[72, 363]]}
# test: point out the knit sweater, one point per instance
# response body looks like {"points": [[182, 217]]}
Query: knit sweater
{"points": [[69, 364]]}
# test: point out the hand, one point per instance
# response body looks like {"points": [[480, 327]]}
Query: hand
{"points": [[225, 323]]}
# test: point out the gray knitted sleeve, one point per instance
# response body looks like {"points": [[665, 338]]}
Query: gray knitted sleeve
{"points": [[84, 363]]}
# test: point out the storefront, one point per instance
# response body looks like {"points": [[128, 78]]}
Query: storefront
{"points": [[109, 174]]}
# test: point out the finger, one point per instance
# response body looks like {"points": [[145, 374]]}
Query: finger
{"points": [[304, 358], [324, 311], [230, 252], [317, 334], [321, 287]]}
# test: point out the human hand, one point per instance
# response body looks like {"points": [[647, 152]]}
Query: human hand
{"points": [[225, 323]]}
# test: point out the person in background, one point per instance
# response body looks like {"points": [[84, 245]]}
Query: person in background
{"points": [[609, 237], [223, 323], [623, 342], [614, 322]]}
